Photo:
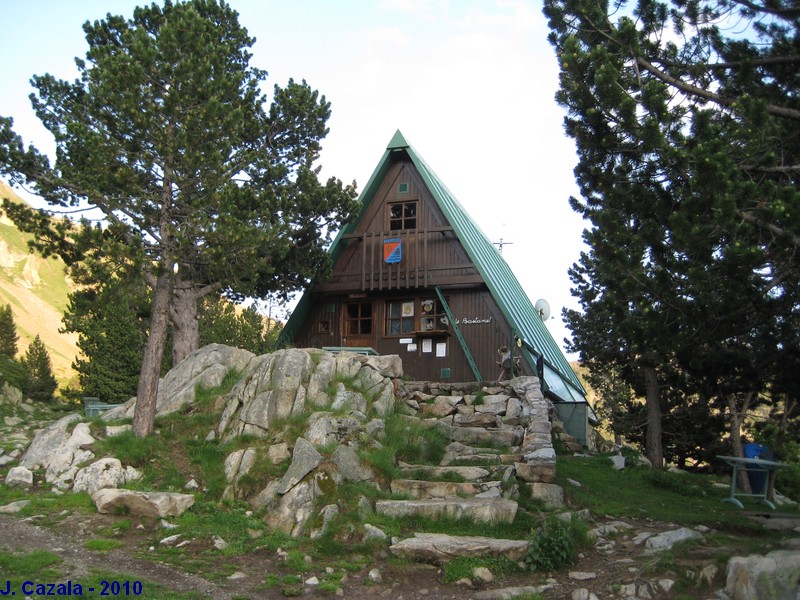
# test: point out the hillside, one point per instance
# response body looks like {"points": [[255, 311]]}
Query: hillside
{"points": [[36, 288]]}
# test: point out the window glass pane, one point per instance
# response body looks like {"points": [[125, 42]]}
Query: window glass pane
{"points": [[408, 325]]}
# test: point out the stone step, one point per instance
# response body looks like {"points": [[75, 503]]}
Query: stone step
{"points": [[432, 472], [479, 510], [457, 451], [506, 437], [439, 547], [421, 490]]}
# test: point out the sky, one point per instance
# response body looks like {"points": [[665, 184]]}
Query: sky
{"points": [[469, 83]]}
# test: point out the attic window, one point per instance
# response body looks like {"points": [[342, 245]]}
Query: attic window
{"points": [[402, 188], [402, 215]]}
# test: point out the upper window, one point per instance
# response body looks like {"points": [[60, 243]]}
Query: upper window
{"points": [[402, 215]]}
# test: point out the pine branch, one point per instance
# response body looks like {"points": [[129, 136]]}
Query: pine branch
{"points": [[693, 90], [748, 216]]}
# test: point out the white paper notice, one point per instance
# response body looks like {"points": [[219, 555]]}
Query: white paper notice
{"points": [[441, 349]]}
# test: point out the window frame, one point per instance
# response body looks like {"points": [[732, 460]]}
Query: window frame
{"points": [[402, 222], [406, 323], [359, 319]]}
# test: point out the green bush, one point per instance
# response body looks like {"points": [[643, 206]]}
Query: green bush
{"points": [[11, 372], [556, 543]]}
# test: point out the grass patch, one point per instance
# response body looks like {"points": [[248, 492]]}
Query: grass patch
{"points": [[407, 441], [685, 499], [461, 568]]}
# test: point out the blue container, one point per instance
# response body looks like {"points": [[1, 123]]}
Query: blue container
{"points": [[758, 479]]}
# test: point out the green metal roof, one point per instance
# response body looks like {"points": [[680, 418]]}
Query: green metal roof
{"points": [[506, 290]]}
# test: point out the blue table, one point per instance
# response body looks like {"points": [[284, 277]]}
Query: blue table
{"points": [[759, 465]]}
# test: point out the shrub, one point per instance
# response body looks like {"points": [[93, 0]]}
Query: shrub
{"points": [[556, 543], [11, 372]]}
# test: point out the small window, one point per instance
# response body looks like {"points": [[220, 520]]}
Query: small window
{"points": [[402, 188], [402, 215], [359, 318], [432, 316], [399, 317]]}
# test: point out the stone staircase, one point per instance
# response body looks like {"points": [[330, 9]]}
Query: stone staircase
{"points": [[501, 441]]}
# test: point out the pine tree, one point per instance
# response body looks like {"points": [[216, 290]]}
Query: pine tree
{"points": [[40, 384], [110, 326], [8, 332], [207, 186], [687, 134]]}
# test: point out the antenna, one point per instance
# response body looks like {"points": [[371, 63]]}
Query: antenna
{"points": [[501, 243], [543, 309]]}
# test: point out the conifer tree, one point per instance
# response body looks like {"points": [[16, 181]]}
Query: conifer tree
{"points": [[8, 332], [687, 124], [207, 186], [40, 384], [110, 322]]}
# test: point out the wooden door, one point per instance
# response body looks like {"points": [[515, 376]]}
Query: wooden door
{"points": [[358, 329]]}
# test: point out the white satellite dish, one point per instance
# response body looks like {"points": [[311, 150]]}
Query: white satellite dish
{"points": [[543, 309]]}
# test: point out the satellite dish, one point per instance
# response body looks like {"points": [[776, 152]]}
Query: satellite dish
{"points": [[543, 309]]}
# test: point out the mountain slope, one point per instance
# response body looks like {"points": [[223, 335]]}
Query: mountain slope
{"points": [[36, 288]]}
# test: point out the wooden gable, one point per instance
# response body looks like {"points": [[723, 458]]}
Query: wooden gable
{"points": [[403, 216], [413, 275]]}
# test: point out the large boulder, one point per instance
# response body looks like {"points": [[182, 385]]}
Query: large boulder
{"points": [[205, 367], [48, 441], [279, 385], [775, 576], [104, 473], [60, 449], [19, 477], [155, 505], [273, 390]]}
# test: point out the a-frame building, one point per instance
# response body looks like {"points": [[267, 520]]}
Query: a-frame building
{"points": [[414, 275]]}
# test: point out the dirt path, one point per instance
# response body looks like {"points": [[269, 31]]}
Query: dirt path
{"points": [[66, 535], [67, 540], [20, 536]]}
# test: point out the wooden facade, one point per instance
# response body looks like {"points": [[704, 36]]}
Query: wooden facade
{"points": [[414, 276]]}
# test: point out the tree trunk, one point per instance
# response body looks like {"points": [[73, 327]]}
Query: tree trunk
{"points": [[736, 435], [185, 324], [146, 394], [183, 315], [655, 453]]}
